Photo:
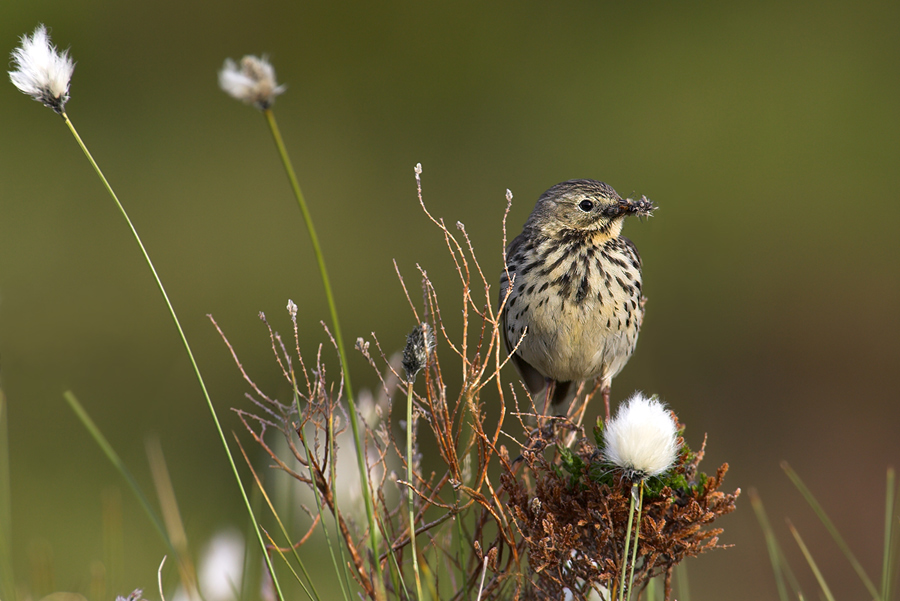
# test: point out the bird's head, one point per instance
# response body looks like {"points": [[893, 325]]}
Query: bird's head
{"points": [[585, 207]]}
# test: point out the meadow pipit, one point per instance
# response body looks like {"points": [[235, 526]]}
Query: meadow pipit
{"points": [[575, 291]]}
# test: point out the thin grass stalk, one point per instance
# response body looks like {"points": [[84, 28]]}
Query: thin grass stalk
{"points": [[159, 578], [284, 558], [184, 340], [165, 493], [410, 433], [394, 567], [339, 337], [314, 595], [812, 563], [431, 578], [625, 551], [332, 454], [120, 466], [483, 574], [252, 580], [895, 554], [829, 525], [7, 580], [637, 536], [791, 578], [339, 568], [888, 536], [771, 544]]}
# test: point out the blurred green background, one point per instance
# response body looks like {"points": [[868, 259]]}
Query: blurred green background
{"points": [[767, 133]]}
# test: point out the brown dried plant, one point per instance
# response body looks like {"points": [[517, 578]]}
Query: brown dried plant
{"points": [[538, 522], [573, 514]]}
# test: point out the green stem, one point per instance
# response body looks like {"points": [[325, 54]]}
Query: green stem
{"points": [[339, 338], [320, 507], [120, 466], [637, 536], [775, 553], [625, 551], [410, 434], [812, 563], [187, 346], [332, 453]]}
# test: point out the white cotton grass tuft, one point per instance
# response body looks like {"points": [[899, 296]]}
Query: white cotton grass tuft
{"points": [[252, 81], [642, 438], [41, 71], [222, 566]]}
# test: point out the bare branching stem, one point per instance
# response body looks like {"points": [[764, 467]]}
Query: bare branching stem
{"points": [[332, 308]]}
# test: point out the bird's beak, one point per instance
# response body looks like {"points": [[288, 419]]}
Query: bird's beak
{"points": [[630, 206]]}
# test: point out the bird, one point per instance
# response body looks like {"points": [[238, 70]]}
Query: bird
{"points": [[571, 302]]}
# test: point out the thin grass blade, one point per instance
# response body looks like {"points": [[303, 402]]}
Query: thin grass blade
{"points": [[771, 544], [888, 535], [394, 567], [165, 493], [410, 498], [829, 525], [314, 595], [483, 574], [120, 466], [284, 558], [7, 580], [253, 580], [625, 552], [812, 563], [637, 537]]}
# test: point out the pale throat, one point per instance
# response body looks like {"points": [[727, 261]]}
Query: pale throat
{"points": [[614, 230], [596, 234]]}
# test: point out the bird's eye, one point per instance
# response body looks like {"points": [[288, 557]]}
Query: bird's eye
{"points": [[586, 206]]}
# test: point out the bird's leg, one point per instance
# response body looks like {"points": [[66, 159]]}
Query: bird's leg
{"points": [[605, 392], [598, 383], [548, 395], [579, 404]]}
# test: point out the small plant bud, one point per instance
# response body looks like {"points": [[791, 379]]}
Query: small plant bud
{"points": [[419, 345]]}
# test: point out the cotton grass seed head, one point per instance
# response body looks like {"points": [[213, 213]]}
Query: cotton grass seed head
{"points": [[251, 82], [419, 344], [642, 439], [41, 71]]}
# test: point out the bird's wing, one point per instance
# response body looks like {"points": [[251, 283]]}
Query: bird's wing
{"points": [[532, 378], [633, 248]]}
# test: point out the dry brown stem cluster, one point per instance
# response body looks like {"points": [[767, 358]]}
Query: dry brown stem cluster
{"points": [[573, 525]]}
